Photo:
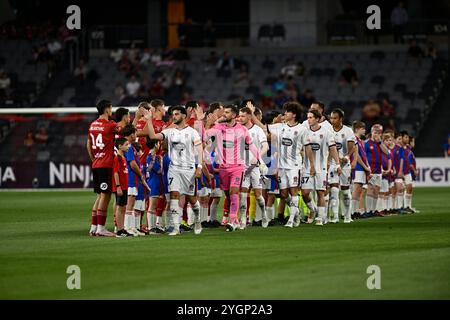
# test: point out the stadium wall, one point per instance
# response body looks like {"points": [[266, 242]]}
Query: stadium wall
{"points": [[433, 172]]}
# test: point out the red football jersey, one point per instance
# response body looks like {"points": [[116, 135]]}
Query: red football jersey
{"points": [[101, 134], [120, 167], [158, 125]]}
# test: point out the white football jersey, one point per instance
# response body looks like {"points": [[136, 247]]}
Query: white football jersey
{"points": [[182, 144], [320, 140], [289, 142], [326, 124], [258, 138], [342, 137]]}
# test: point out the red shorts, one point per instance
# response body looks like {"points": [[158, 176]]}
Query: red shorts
{"points": [[231, 177]]}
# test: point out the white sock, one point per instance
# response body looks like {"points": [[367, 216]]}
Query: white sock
{"points": [[311, 206], [389, 202], [175, 212], [196, 211], [355, 206], [93, 228], [203, 214], [137, 220], [400, 201], [270, 213], [322, 213], [129, 222], [346, 200], [369, 203], [334, 202], [293, 207], [100, 228], [327, 203], [243, 205], [258, 213], [213, 211], [261, 205], [408, 200]]}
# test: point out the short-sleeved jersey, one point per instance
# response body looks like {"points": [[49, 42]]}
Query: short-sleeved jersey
{"points": [[133, 178], [373, 151], [182, 144], [289, 142], [326, 124], [406, 167], [342, 138], [101, 136], [385, 158], [398, 153], [120, 167], [362, 154], [229, 143], [258, 138], [320, 140]]}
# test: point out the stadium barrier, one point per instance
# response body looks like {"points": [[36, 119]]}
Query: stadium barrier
{"points": [[433, 172]]}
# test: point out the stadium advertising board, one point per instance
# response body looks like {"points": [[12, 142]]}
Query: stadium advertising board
{"points": [[433, 172]]}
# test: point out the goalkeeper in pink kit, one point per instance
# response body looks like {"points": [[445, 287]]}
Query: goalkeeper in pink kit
{"points": [[229, 139]]}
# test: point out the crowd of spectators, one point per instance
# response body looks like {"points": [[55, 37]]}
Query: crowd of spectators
{"points": [[32, 138]]}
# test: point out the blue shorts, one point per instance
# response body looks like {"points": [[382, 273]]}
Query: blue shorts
{"points": [[155, 187], [141, 193]]}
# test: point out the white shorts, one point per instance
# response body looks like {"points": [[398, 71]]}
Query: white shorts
{"points": [[344, 179], [384, 185], [391, 184], [216, 193], [139, 205], [288, 178], [132, 191], [375, 180], [408, 179], [181, 180], [204, 192], [360, 177], [252, 178], [318, 182]]}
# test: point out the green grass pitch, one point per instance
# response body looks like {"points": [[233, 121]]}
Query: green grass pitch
{"points": [[42, 233]]}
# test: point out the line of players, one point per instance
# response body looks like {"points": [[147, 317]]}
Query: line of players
{"points": [[175, 173]]}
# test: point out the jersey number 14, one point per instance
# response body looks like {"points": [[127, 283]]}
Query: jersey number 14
{"points": [[97, 142]]}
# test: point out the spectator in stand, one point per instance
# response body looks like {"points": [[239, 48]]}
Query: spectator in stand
{"points": [[81, 71], [54, 47], [431, 51], [225, 65], [156, 57], [387, 109], [280, 99], [279, 84], [292, 89], [29, 139], [290, 68], [119, 92], [399, 19], [5, 84], [116, 55], [371, 113], [156, 90], [267, 101], [133, 86], [178, 83], [447, 147], [307, 98], [41, 136], [146, 57], [300, 69], [185, 98], [242, 79], [415, 51], [125, 64], [349, 76]]}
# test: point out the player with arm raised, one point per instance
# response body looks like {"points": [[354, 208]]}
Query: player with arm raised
{"points": [[319, 142], [228, 140], [186, 162], [345, 145], [289, 139], [100, 147]]}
